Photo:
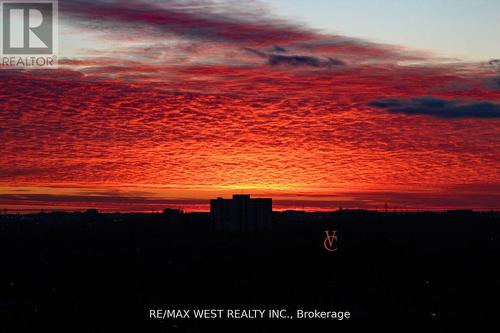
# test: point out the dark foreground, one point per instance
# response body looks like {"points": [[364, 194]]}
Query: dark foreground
{"points": [[392, 272]]}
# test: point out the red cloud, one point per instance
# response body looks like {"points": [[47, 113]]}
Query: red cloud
{"points": [[223, 119], [307, 130]]}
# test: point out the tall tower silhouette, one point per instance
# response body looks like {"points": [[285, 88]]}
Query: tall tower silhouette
{"points": [[241, 214]]}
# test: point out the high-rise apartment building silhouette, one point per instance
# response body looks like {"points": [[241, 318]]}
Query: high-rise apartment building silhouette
{"points": [[241, 214]]}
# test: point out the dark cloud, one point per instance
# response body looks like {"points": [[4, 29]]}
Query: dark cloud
{"points": [[495, 63], [220, 21], [230, 23], [275, 60], [278, 49], [40, 198], [296, 60], [441, 108], [257, 52]]}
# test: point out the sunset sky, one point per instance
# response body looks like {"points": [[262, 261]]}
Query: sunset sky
{"points": [[317, 104]]}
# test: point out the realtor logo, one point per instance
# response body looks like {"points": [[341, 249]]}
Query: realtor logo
{"points": [[29, 33]]}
